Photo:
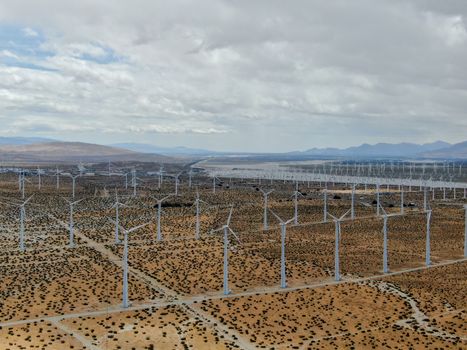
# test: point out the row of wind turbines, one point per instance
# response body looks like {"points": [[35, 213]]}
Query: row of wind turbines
{"points": [[227, 230]]}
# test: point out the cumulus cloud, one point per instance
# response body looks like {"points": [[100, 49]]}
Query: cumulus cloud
{"points": [[262, 75]]}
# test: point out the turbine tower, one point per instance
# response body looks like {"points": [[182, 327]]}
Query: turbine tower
{"points": [[385, 238], [428, 247], [265, 215], [73, 179], [337, 222], [71, 225], [161, 176], [117, 206], [39, 184], [352, 204], [125, 299], [190, 174], [197, 225], [295, 196], [57, 175], [283, 225], [325, 199], [133, 181], [159, 210], [377, 199], [226, 229], [177, 182], [22, 216], [402, 200]]}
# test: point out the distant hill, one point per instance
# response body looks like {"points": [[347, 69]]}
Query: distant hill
{"points": [[72, 152], [147, 148], [380, 150], [456, 151], [23, 140]]}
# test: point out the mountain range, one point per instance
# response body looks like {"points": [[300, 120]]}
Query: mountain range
{"points": [[34, 149], [58, 151], [382, 150], [172, 151]]}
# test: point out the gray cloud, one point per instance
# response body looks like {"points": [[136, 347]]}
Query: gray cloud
{"points": [[262, 75]]}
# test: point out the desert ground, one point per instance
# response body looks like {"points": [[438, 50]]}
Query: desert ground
{"points": [[60, 296]]}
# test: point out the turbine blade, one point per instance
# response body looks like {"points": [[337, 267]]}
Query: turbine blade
{"points": [[277, 216], [230, 216]]}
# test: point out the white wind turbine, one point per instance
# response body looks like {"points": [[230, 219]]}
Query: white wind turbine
{"points": [[352, 204], [20, 180], [325, 204], [125, 299], [133, 181], [190, 175], [377, 199], [295, 196], [57, 175], [22, 217], [126, 180], [226, 229], [337, 222], [39, 184], [73, 179], [198, 224], [265, 215], [177, 182], [385, 238], [161, 176], [117, 206], [214, 178], [427, 242], [283, 225], [402, 199], [71, 226], [22, 184], [159, 211]]}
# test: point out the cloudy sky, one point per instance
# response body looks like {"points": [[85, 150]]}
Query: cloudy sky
{"points": [[234, 75]]}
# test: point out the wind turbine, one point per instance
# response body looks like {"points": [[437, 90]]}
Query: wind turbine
{"points": [[177, 182], [226, 228], [377, 199], [22, 184], [428, 247], [190, 174], [39, 184], [117, 205], [402, 199], [337, 221], [385, 239], [283, 225], [265, 216], [133, 181], [159, 210], [214, 183], [126, 180], [352, 204], [197, 225], [73, 178], [22, 216], [325, 199], [57, 174], [125, 299], [71, 226], [295, 195], [161, 176], [424, 198]]}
